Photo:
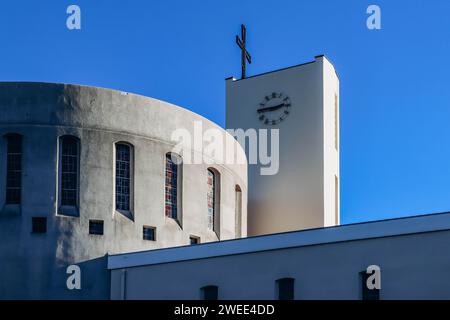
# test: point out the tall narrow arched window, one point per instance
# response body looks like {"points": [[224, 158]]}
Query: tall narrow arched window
{"points": [[238, 212], [173, 174], [69, 174], [13, 169], [213, 200], [124, 178]]}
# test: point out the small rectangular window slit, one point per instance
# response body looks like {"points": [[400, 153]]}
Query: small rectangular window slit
{"points": [[38, 224], [96, 227], [149, 233], [194, 240]]}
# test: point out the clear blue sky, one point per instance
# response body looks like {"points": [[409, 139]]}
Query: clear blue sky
{"points": [[395, 83]]}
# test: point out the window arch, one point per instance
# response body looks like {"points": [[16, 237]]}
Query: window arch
{"points": [[124, 178], [69, 174], [173, 183], [13, 168], [213, 200]]}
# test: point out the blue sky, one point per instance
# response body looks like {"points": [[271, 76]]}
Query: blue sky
{"points": [[395, 96]]}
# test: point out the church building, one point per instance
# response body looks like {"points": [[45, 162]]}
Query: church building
{"points": [[296, 247], [87, 172], [92, 182]]}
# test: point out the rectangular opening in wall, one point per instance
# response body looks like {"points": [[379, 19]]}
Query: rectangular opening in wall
{"points": [[38, 224], [209, 293], [368, 294], [285, 289], [96, 227], [194, 240], [149, 233]]}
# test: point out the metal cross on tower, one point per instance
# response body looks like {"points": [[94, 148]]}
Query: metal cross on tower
{"points": [[245, 55]]}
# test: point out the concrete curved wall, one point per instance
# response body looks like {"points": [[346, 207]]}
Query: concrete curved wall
{"points": [[43, 112]]}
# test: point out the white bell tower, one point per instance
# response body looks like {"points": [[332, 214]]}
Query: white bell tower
{"points": [[303, 103]]}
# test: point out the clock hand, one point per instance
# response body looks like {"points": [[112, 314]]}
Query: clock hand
{"points": [[262, 110]]}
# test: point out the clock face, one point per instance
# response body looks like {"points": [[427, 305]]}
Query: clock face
{"points": [[274, 108]]}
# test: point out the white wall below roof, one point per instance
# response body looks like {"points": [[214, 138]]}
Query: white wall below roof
{"points": [[409, 252]]}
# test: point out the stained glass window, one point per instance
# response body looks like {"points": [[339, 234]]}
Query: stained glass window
{"points": [[123, 174], [172, 173], [211, 198], [14, 169]]}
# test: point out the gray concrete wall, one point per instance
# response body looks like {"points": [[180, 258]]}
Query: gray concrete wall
{"points": [[413, 266], [31, 264]]}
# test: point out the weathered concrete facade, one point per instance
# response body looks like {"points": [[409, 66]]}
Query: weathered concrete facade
{"points": [[34, 265]]}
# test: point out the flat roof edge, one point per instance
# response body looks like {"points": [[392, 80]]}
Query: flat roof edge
{"points": [[351, 232], [272, 71]]}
